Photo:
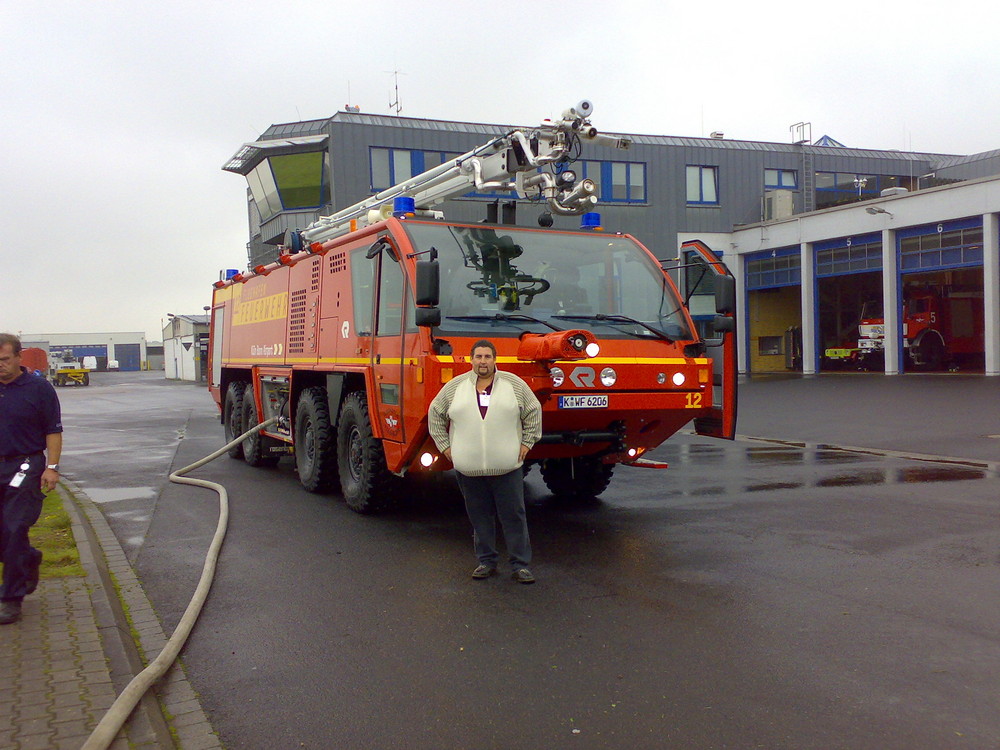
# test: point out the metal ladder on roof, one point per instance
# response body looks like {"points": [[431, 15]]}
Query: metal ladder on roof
{"points": [[808, 181]]}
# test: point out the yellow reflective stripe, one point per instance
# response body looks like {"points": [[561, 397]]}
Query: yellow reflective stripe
{"points": [[452, 360]]}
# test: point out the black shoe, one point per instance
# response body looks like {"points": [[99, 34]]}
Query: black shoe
{"points": [[523, 575], [10, 612], [484, 571]]}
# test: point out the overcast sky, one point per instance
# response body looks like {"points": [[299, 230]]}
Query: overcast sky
{"points": [[119, 115]]}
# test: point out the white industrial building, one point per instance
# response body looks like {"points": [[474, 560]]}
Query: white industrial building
{"points": [[185, 347], [126, 348]]}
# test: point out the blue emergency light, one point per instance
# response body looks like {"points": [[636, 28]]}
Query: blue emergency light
{"points": [[403, 206]]}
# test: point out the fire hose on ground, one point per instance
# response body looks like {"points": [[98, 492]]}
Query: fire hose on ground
{"points": [[109, 726]]}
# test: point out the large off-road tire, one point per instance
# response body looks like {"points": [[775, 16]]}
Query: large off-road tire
{"points": [[315, 446], [367, 484], [255, 446], [576, 478], [232, 416]]}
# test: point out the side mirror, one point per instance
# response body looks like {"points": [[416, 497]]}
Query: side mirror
{"points": [[428, 282], [428, 316], [723, 324], [725, 295]]}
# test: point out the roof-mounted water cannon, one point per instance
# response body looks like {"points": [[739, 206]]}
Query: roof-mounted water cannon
{"points": [[558, 345]]}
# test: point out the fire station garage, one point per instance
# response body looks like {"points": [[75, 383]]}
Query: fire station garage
{"points": [[906, 282]]}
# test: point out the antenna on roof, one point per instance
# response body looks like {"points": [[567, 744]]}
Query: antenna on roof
{"points": [[397, 105]]}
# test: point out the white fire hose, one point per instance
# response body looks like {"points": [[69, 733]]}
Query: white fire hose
{"points": [[107, 729]]}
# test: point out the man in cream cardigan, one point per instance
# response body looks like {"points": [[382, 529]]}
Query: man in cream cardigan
{"points": [[485, 422]]}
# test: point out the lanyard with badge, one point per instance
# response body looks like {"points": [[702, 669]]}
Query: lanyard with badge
{"points": [[19, 477]]}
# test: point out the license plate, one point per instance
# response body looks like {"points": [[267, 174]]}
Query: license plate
{"points": [[583, 402], [870, 343]]}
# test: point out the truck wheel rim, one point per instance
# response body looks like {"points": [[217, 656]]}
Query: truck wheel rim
{"points": [[356, 458], [309, 449]]}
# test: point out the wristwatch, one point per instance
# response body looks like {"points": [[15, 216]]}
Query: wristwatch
{"points": [[54, 467]]}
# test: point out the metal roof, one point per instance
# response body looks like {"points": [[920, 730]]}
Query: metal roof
{"points": [[414, 123], [952, 161]]}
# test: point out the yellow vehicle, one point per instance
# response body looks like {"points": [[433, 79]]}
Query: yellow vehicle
{"points": [[65, 369]]}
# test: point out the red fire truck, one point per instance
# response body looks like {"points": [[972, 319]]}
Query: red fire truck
{"points": [[941, 326], [349, 335]]}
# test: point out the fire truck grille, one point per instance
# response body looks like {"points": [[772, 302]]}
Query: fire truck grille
{"points": [[337, 262], [297, 322]]}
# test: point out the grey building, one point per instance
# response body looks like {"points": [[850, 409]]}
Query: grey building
{"points": [[661, 186], [800, 299]]}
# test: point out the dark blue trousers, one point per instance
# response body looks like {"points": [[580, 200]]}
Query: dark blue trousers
{"points": [[20, 508], [489, 498]]}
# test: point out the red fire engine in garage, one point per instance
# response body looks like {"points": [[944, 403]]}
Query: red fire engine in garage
{"points": [[941, 326], [350, 334]]}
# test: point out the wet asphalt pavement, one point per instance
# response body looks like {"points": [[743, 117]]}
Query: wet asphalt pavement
{"points": [[756, 594]]}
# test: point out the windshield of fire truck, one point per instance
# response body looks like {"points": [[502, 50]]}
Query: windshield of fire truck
{"points": [[493, 278]]}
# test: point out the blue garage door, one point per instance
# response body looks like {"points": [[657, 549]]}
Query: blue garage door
{"points": [[90, 350], [128, 357]]}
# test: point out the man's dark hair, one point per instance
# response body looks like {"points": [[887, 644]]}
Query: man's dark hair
{"points": [[15, 343], [483, 344]]}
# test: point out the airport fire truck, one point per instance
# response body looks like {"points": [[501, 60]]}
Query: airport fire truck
{"points": [[346, 338]]}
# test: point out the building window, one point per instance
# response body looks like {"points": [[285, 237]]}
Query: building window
{"points": [[300, 179], [838, 188], [781, 179], [769, 346], [773, 269], [617, 181], [848, 256], [702, 186], [942, 246], [390, 166]]}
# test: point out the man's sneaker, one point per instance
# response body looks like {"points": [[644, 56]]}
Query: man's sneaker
{"points": [[484, 571], [10, 612], [523, 575]]}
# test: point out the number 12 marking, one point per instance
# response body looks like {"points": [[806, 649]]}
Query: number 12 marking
{"points": [[693, 401]]}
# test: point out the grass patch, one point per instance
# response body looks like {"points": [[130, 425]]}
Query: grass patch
{"points": [[53, 535]]}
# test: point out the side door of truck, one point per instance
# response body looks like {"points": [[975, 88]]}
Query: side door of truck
{"points": [[387, 352], [709, 284]]}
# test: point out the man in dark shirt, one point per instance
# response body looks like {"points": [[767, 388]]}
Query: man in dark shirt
{"points": [[30, 431]]}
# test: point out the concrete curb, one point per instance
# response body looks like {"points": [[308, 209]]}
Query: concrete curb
{"points": [[132, 637]]}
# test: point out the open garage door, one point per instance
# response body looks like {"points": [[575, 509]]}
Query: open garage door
{"points": [[941, 286], [774, 310], [848, 277]]}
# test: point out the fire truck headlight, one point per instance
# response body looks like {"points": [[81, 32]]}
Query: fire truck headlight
{"points": [[608, 377], [426, 459], [593, 349], [558, 376], [661, 378], [632, 453], [678, 379]]}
